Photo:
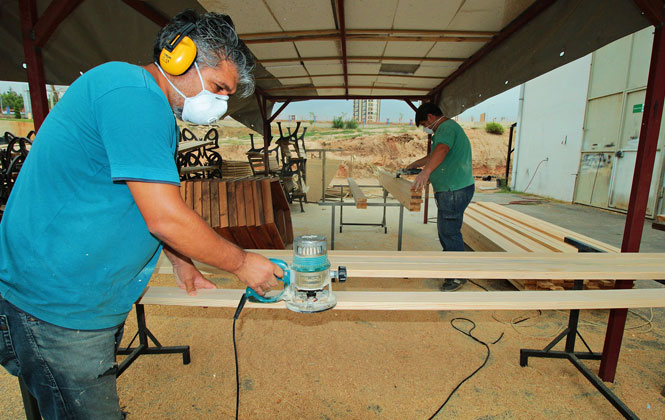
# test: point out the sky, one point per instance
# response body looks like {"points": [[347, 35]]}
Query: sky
{"points": [[502, 107]]}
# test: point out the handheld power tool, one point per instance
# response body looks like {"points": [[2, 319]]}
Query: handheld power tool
{"points": [[307, 282], [413, 171]]}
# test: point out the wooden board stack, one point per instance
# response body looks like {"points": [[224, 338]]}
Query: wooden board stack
{"points": [[401, 190], [493, 227], [253, 213], [236, 169]]}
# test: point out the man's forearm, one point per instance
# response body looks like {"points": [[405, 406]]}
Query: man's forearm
{"points": [[181, 229], [191, 238]]}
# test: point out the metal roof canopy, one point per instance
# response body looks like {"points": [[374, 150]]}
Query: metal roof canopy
{"points": [[457, 53]]}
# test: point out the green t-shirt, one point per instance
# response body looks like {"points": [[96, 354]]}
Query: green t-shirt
{"points": [[456, 170]]}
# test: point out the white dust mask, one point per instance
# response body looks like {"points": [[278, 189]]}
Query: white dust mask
{"points": [[428, 130], [205, 107]]}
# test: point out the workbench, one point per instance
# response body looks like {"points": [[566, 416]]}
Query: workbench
{"points": [[341, 204]]}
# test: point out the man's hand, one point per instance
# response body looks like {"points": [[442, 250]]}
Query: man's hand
{"points": [[421, 181], [258, 273], [190, 278]]}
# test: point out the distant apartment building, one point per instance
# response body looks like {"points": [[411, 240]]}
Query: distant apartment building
{"points": [[366, 110]]}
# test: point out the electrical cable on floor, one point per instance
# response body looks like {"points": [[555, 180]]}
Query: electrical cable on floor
{"points": [[241, 304], [467, 333], [534, 174], [521, 318]]}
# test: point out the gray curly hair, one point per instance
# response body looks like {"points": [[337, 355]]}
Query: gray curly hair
{"points": [[216, 39]]}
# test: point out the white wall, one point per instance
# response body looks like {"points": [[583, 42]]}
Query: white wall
{"points": [[550, 127]]}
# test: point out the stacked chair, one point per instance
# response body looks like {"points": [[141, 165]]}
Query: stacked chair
{"points": [[290, 155], [13, 152], [201, 163]]}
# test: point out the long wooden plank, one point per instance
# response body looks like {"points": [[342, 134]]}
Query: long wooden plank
{"points": [[183, 190], [430, 301], [401, 190], [205, 201], [223, 228], [189, 194], [315, 172], [482, 238], [513, 227], [241, 233], [547, 228], [250, 223], [262, 237], [520, 240], [282, 211], [485, 265], [214, 203], [269, 215], [198, 198], [358, 195]]}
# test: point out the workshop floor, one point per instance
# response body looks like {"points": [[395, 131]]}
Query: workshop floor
{"points": [[387, 365]]}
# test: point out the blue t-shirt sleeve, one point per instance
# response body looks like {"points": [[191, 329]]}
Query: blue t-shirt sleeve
{"points": [[137, 129]]}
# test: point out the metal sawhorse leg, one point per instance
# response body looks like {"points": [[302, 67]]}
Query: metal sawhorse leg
{"points": [[570, 334]]}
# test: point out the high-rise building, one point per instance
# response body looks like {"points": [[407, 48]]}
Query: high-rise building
{"points": [[366, 110]]}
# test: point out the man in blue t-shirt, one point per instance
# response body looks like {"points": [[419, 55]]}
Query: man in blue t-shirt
{"points": [[449, 168], [96, 202]]}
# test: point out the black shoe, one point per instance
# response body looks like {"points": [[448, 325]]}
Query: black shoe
{"points": [[450, 285]]}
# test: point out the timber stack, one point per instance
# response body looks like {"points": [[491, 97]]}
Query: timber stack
{"points": [[493, 227], [253, 213], [400, 189]]}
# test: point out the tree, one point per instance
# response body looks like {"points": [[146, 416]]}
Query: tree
{"points": [[14, 101]]}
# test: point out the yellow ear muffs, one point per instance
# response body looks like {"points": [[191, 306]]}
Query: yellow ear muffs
{"points": [[179, 54]]}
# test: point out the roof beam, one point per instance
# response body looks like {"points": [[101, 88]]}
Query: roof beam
{"points": [[346, 88], [280, 98], [527, 16], [342, 34], [54, 14], [363, 38], [362, 58], [323, 32], [654, 10], [314, 76], [147, 11], [281, 108]]}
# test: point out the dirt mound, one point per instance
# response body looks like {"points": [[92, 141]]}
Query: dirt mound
{"points": [[369, 149]]}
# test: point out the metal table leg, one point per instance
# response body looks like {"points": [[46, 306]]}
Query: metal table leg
{"points": [[332, 228], [399, 234]]}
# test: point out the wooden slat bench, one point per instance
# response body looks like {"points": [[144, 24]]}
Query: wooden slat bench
{"points": [[493, 227]]}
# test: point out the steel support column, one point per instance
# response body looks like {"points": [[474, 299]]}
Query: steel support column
{"points": [[36, 32], [639, 194], [34, 62]]}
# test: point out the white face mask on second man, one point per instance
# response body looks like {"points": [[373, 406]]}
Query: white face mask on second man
{"points": [[205, 107], [428, 130]]}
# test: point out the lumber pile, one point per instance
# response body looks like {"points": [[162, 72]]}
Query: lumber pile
{"points": [[236, 169], [400, 189], [253, 213], [493, 227]]}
